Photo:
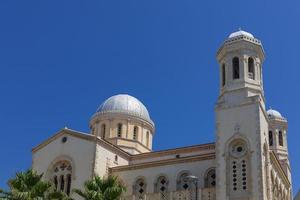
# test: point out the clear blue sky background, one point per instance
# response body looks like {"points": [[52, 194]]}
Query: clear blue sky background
{"points": [[60, 59]]}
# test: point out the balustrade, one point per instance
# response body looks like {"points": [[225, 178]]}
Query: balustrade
{"points": [[203, 194]]}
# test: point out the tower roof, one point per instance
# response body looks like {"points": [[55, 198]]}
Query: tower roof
{"points": [[239, 33], [274, 114], [234, 41]]}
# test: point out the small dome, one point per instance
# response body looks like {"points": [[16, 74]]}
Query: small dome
{"points": [[274, 114], [239, 33], [124, 103]]}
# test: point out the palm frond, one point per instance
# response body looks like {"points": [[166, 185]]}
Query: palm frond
{"points": [[109, 188]]}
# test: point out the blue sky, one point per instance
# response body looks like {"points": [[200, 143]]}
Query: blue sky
{"points": [[60, 59]]}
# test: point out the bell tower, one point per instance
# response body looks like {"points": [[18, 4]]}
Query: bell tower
{"points": [[240, 58], [241, 120], [278, 126]]}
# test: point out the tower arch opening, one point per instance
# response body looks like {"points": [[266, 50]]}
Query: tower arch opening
{"points": [[235, 68], [251, 69]]}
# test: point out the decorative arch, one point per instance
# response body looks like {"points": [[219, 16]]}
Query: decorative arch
{"points": [[238, 165], [235, 137], [161, 186], [160, 175], [61, 173], [210, 178], [56, 160], [182, 182], [140, 187]]}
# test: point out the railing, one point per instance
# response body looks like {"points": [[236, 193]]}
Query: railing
{"points": [[203, 194]]}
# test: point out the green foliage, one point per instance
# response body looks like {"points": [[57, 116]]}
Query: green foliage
{"points": [[109, 188], [29, 185]]}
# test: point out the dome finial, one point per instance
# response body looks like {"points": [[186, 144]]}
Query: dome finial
{"points": [[240, 29]]}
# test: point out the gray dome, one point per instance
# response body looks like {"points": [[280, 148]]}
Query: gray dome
{"points": [[274, 114], [239, 33], [125, 104]]}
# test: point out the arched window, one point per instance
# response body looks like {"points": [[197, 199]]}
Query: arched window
{"points": [[210, 178], [147, 138], [182, 182], [62, 176], [280, 138], [223, 75], [103, 130], [251, 72], [140, 189], [120, 130], [135, 132], [238, 167], [235, 68], [270, 138], [161, 187]]}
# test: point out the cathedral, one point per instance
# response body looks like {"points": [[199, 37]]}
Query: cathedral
{"points": [[248, 161]]}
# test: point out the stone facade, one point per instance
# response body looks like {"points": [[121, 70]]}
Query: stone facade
{"points": [[248, 161]]}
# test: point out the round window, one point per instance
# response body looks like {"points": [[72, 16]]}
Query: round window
{"points": [[238, 148], [64, 139]]}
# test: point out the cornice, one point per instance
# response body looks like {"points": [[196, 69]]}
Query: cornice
{"points": [[241, 41], [209, 156], [248, 101], [180, 150], [128, 147], [132, 141], [84, 136], [276, 122], [60, 133], [118, 150]]}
